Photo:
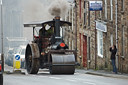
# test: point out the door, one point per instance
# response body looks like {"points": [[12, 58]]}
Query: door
{"points": [[84, 51], [80, 42]]}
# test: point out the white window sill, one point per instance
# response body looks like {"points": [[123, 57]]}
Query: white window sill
{"points": [[100, 55]]}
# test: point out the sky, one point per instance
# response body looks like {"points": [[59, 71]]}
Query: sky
{"points": [[70, 0], [38, 10], [42, 10]]}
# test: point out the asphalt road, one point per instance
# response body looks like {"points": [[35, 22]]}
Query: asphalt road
{"points": [[44, 78]]}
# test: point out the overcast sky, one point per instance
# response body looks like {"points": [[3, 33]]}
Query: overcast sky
{"points": [[38, 10]]}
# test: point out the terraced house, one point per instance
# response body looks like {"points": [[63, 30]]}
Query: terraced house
{"points": [[97, 30]]}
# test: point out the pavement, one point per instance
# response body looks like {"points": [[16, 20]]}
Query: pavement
{"points": [[9, 70], [103, 73]]}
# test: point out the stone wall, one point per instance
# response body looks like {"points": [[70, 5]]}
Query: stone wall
{"points": [[89, 31]]}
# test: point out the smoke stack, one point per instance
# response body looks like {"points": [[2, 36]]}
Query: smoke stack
{"points": [[57, 26]]}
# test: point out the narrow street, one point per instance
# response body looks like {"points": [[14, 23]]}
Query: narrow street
{"points": [[44, 78], [63, 42]]}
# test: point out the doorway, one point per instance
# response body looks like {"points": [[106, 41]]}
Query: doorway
{"points": [[84, 51]]}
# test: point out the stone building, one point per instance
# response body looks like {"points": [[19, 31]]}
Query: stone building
{"points": [[97, 31], [123, 35], [70, 32]]}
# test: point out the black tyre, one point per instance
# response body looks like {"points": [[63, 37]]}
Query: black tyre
{"points": [[58, 69], [1, 79], [32, 58], [50, 69]]}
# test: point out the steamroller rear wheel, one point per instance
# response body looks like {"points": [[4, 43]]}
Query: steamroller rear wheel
{"points": [[32, 58]]}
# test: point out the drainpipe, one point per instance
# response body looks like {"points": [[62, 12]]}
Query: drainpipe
{"points": [[116, 32], [76, 26], [95, 44]]}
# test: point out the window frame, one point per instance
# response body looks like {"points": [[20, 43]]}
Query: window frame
{"points": [[72, 18], [122, 5], [123, 42], [111, 4], [111, 38], [69, 14], [72, 45], [84, 12], [105, 9], [80, 8], [88, 15], [100, 43]]}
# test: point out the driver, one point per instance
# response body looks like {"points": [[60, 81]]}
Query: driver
{"points": [[42, 31]]}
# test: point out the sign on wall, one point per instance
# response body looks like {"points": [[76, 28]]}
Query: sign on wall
{"points": [[101, 26], [95, 5]]}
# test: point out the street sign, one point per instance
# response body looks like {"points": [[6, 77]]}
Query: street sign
{"points": [[16, 62], [17, 57], [95, 5]]}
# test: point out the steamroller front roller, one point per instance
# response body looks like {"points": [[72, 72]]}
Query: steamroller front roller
{"points": [[32, 58], [62, 64]]}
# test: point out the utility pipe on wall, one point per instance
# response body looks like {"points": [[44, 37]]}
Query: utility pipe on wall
{"points": [[116, 6], [76, 26]]}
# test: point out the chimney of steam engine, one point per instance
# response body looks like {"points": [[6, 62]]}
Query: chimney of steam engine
{"points": [[57, 26]]}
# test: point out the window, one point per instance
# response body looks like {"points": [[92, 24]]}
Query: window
{"points": [[72, 45], [65, 18], [72, 17], [88, 17], [100, 14], [84, 18], [69, 44], [84, 12], [80, 8], [111, 39], [100, 43], [111, 3], [123, 40], [122, 5], [69, 15], [66, 41], [105, 9]]}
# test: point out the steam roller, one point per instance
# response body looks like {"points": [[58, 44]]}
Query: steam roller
{"points": [[48, 49]]}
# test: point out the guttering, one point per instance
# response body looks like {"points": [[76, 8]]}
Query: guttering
{"points": [[76, 25]]}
